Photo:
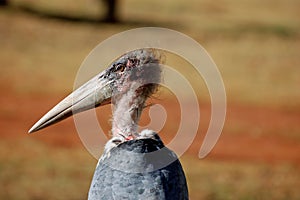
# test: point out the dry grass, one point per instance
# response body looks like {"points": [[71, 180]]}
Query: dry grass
{"points": [[230, 180], [256, 45], [30, 169]]}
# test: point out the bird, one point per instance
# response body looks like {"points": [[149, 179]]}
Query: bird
{"points": [[133, 165]]}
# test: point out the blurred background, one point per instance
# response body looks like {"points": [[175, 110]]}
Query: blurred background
{"points": [[255, 44]]}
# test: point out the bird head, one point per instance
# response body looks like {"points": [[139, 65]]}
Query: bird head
{"points": [[135, 72]]}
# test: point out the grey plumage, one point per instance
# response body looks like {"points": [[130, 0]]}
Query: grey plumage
{"points": [[131, 173]]}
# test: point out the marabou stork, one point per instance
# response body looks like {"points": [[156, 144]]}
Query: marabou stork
{"points": [[133, 165]]}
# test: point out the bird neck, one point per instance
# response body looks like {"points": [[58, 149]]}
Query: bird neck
{"points": [[126, 115]]}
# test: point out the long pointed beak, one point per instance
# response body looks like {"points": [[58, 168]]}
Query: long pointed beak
{"points": [[94, 93]]}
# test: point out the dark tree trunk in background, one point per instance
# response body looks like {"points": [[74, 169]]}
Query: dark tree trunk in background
{"points": [[3, 2], [111, 6]]}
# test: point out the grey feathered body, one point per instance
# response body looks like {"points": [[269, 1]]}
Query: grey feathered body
{"points": [[132, 170]]}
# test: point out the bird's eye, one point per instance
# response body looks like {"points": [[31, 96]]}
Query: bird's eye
{"points": [[120, 67], [133, 61]]}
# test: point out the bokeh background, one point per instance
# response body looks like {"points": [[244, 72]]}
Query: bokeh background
{"points": [[256, 45]]}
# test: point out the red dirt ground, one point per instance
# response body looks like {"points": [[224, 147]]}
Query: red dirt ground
{"points": [[250, 134]]}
